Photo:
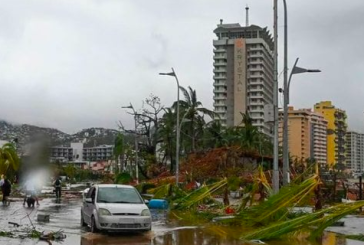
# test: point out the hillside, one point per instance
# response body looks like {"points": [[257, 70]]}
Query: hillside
{"points": [[26, 133]]}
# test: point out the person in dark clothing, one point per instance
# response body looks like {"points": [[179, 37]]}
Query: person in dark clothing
{"points": [[58, 187], [6, 189]]}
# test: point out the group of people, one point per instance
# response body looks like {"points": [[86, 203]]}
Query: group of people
{"points": [[29, 188]]}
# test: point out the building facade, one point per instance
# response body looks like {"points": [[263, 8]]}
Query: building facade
{"points": [[306, 135], [98, 153], [243, 74], [336, 132], [319, 139], [76, 152], [62, 154], [355, 151]]}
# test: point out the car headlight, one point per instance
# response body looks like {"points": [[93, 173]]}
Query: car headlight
{"points": [[104, 212], [145, 212]]}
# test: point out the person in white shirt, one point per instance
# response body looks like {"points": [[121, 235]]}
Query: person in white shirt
{"points": [[29, 187]]}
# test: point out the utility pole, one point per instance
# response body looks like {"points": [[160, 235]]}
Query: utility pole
{"points": [[136, 144], [275, 100], [285, 96], [136, 147]]}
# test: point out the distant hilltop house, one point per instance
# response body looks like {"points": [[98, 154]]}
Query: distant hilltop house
{"points": [[76, 152], [102, 166], [3, 142]]}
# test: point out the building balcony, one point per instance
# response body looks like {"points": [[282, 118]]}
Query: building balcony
{"points": [[220, 91], [219, 56], [255, 76], [219, 50], [219, 64]]}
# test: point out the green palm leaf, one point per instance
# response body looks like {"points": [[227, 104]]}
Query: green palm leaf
{"points": [[314, 222], [200, 194]]}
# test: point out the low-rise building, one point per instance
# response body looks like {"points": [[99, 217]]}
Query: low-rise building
{"points": [[76, 152], [98, 153]]}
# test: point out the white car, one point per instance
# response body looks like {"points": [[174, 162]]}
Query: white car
{"points": [[112, 207]]}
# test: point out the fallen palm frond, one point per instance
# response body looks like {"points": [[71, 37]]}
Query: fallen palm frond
{"points": [[313, 222], [275, 208], [200, 194], [260, 185], [167, 191], [34, 234], [162, 191], [359, 237]]}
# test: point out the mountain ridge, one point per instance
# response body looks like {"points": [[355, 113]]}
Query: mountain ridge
{"points": [[25, 133]]}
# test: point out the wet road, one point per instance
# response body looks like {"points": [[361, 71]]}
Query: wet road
{"points": [[65, 216]]}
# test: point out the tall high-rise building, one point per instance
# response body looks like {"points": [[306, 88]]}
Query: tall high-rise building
{"points": [[306, 134], [336, 132], [355, 151], [319, 139], [243, 74]]}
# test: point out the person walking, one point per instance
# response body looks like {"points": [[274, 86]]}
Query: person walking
{"points": [[58, 187], [5, 189]]}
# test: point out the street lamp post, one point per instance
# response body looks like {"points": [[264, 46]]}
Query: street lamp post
{"points": [[173, 74], [275, 180], [136, 145], [285, 107], [286, 87]]}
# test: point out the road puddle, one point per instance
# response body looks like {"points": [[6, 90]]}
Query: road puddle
{"points": [[65, 216]]}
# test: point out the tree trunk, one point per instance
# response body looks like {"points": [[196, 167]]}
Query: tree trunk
{"points": [[143, 172], [318, 201], [226, 197]]}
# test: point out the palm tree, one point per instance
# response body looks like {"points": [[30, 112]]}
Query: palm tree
{"points": [[192, 110], [9, 160], [214, 134], [166, 132]]}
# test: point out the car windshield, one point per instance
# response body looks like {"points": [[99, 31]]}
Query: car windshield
{"points": [[118, 195]]}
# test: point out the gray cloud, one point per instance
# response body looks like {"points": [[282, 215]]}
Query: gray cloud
{"points": [[73, 64]]}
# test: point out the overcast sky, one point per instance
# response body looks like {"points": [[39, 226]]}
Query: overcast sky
{"points": [[73, 64]]}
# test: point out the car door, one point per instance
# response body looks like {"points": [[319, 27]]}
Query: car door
{"points": [[87, 206]]}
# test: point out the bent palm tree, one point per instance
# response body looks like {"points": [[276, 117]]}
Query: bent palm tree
{"points": [[193, 111]]}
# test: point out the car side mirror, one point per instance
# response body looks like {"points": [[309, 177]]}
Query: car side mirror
{"points": [[88, 200], [146, 202]]}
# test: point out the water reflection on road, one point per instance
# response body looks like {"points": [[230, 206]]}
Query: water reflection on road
{"points": [[65, 215]]}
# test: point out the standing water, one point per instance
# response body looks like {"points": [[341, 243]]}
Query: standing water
{"points": [[65, 216]]}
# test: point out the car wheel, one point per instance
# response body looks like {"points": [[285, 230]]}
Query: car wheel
{"points": [[93, 225], [83, 223]]}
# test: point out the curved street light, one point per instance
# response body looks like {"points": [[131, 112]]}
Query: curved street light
{"points": [[173, 74], [295, 70], [136, 146]]}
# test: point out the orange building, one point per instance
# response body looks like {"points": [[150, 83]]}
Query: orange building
{"points": [[306, 135]]}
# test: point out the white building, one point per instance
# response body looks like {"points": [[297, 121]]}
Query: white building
{"points": [[62, 154], [76, 152], [243, 74], [318, 137], [98, 153], [355, 151]]}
